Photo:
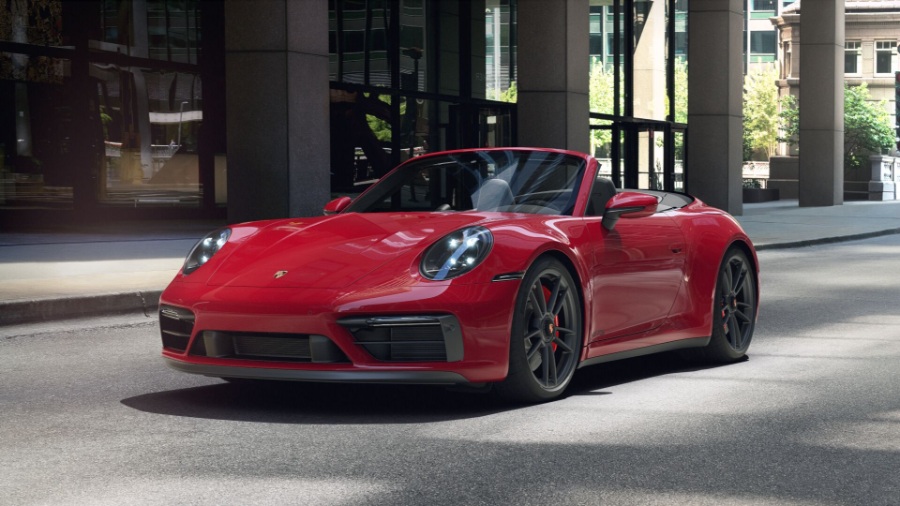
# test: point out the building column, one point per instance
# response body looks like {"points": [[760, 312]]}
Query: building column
{"points": [[822, 104], [715, 106], [277, 108], [553, 67]]}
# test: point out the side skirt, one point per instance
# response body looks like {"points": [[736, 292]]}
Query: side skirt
{"points": [[694, 342]]}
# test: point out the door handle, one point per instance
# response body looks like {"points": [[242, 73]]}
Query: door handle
{"points": [[676, 248]]}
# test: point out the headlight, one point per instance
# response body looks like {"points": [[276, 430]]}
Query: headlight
{"points": [[456, 253], [205, 249]]}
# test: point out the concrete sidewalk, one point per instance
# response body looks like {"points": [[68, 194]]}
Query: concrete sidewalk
{"points": [[115, 269]]}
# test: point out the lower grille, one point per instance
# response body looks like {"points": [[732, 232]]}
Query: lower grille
{"points": [[267, 347], [291, 348], [408, 338], [175, 325]]}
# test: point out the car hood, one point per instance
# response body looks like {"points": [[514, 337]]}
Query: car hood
{"points": [[331, 252]]}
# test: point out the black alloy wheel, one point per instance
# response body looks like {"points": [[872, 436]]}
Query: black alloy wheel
{"points": [[734, 309], [545, 344]]}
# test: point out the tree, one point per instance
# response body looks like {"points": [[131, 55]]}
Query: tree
{"points": [[867, 125], [510, 95], [761, 112], [601, 99], [681, 103], [788, 120]]}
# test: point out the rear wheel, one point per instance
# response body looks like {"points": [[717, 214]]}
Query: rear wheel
{"points": [[734, 310], [545, 343]]}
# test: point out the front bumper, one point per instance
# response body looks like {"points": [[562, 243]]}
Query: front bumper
{"points": [[446, 334]]}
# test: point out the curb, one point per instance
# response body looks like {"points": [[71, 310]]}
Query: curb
{"points": [[828, 240], [36, 310]]}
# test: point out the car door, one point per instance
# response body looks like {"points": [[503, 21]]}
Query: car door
{"points": [[636, 273]]}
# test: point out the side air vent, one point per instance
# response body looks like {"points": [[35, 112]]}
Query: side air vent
{"points": [[175, 325], [408, 338]]}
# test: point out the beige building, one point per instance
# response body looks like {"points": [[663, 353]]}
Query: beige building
{"points": [[871, 37]]}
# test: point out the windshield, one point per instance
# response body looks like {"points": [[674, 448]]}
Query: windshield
{"points": [[516, 181]]}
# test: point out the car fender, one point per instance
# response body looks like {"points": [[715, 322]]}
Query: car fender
{"points": [[710, 233]]}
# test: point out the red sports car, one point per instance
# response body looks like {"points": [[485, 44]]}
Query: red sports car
{"points": [[512, 267]]}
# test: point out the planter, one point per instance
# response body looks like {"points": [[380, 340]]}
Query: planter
{"points": [[754, 195]]}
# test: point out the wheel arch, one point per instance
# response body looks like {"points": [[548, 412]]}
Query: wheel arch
{"points": [[750, 252], [567, 262]]}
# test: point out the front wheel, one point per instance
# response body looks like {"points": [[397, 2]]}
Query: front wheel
{"points": [[545, 343]]}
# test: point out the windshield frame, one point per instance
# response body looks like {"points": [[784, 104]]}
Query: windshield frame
{"points": [[515, 180]]}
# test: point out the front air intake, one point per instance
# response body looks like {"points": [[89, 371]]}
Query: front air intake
{"points": [[175, 326], [408, 338]]}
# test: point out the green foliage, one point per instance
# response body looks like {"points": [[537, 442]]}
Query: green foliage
{"points": [[867, 125], [761, 112], [381, 127], [510, 95], [105, 120], [681, 91], [601, 99], [753, 184], [681, 103], [789, 120]]}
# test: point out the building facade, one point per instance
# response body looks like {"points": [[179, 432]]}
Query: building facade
{"points": [[872, 40], [245, 109], [760, 37], [109, 105]]}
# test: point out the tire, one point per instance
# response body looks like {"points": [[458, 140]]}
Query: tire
{"points": [[545, 340], [734, 310]]}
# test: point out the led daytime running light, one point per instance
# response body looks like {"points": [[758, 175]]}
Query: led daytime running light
{"points": [[205, 249], [456, 253]]}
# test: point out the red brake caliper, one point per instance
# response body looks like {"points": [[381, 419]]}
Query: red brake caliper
{"points": [[547, 294]]}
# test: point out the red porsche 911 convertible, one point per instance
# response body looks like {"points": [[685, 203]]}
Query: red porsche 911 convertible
{"points": [[512, 267]]}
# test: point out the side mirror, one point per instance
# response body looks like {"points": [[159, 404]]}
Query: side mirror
{"points": [[337, 205], [628, 205]]}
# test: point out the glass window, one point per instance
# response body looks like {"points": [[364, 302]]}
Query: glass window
{"points": [[38, 23], [361, 137], [763, 42], [596, 42], [37, 131], [595, 23], [413, 54], [170, 30], [650, 62], [852, 57], [119, 128], [499, 78], [884, 54], [358, 42], [150, 124], [764, 5]]}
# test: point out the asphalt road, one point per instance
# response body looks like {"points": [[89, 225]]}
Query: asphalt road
{"points": [[89, 415]]}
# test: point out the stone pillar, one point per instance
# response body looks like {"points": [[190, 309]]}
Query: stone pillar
{"points": [[277, 108], [822, 104], [553, 67], [715, 110]]}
